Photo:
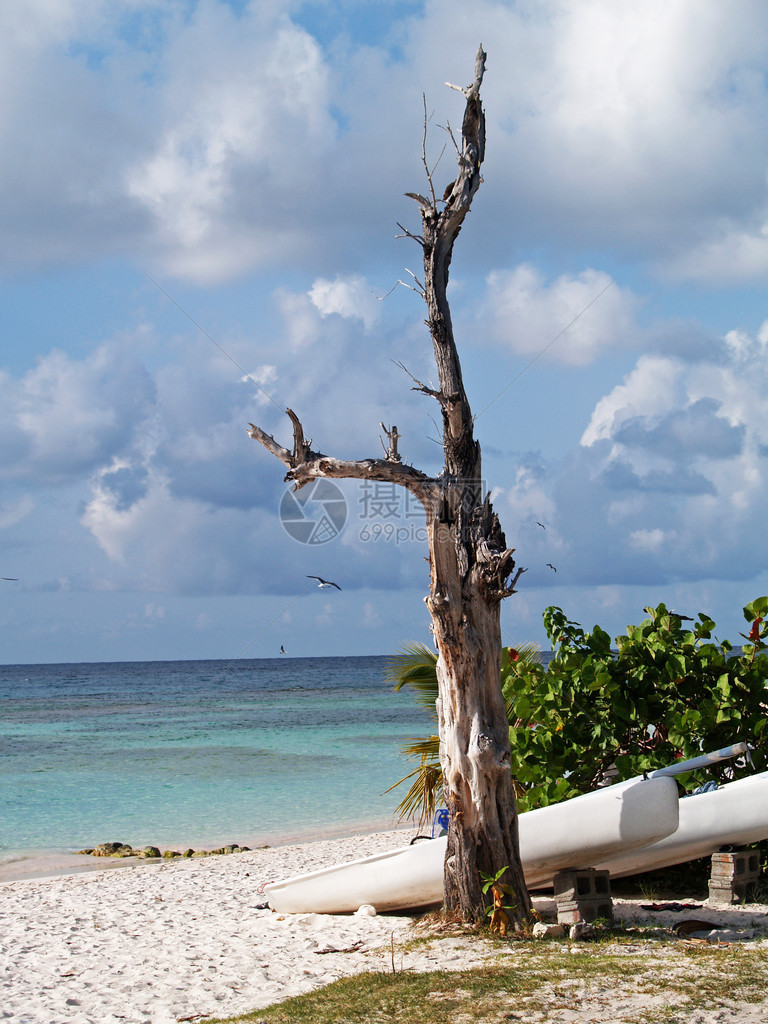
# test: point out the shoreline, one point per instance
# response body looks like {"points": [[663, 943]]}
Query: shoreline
{"points": [[19, 864]]}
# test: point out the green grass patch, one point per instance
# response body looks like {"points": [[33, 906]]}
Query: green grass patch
{"points": [[668, 980]]}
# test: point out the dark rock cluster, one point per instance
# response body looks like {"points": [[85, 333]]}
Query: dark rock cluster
{"points": [[152, 852]]}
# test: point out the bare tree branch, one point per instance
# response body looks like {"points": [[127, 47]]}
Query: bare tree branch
{"points": [[424, 151], [419, 286], [453, 139], [419, 290], [305, 465], [440, 230], [423, 388], [424, 203], [301, 448], [409, 234]]}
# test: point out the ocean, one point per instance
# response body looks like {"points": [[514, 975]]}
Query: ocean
{"points": [[197, 753]]}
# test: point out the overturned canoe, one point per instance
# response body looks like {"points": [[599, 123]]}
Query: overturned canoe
{"points": [[574, 833], [736, 814]]}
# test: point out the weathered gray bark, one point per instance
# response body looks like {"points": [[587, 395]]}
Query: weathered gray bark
{"points": [[472, 569]]}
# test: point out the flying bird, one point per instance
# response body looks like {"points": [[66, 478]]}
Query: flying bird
{"points": [[540, 524], [11, 579], [324, 583], [283, 650], [549, 564]]}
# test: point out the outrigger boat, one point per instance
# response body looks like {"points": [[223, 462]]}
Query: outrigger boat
{"points": [[626, 828], [575, 833], [732, 815]]}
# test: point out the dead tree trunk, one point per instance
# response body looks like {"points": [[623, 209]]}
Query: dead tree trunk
{"points": [[472, 569]]}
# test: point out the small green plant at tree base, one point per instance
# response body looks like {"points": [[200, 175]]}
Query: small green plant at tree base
{"points": [[497, 912], [603, 711], [492, 882]]}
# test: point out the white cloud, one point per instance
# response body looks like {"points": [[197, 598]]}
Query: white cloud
{"points": [[181, 500], [731, 254], [526, 499], [189, 132], [651, 388], [349, 297], [632, 121], [647, 540], [67, 416], [111, 525], [310, 347], [264, 376], [168, 543], [572, 320], [212, 139], [38, 21], [242, 123], [672, 476]]}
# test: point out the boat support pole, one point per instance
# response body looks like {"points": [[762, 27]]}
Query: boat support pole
{"points": [[681, 767]]}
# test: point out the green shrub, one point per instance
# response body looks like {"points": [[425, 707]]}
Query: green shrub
{"points": [[667, 690], [600, 712]]}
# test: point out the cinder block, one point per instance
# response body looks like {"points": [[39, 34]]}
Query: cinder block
{"points": [[731, 873], [582, 883], [582, 895], [739, 865], [585, 911], [724, 894]]}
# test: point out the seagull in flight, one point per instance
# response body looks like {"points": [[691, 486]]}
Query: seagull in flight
{"points": [[324, 583], [11, 579], [549, 564], [283, 650]]}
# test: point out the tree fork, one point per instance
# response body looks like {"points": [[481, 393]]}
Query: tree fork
{"points": [[470, 564]]}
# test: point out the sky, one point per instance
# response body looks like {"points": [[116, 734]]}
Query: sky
{"points": [[202, 223]]}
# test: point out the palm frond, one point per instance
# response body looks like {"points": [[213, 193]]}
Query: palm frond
{"points": [[411, 656], [426, 789], [415, 666], [429, 746]]}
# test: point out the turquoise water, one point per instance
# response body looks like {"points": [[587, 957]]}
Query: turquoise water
{"points": [[198, 753]]}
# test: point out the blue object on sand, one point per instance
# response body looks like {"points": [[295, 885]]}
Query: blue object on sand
{"points": [[440, 824]]}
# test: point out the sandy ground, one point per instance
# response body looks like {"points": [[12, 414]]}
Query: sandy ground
{"points": [[162, 943]]}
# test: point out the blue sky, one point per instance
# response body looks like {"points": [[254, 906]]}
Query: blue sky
{"points": [[198, 227]]}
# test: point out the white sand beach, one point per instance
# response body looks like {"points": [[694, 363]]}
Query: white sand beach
{"points": [[159, 942], [162, 943]]}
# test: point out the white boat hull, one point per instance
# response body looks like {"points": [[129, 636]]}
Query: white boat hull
{"points": [[575, 833], [736, 814]]}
